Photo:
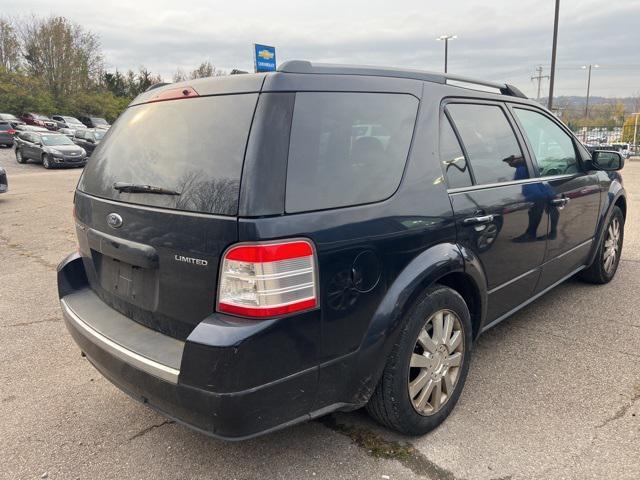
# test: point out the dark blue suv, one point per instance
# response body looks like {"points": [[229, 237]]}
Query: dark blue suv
{"points": [[325, 238]]}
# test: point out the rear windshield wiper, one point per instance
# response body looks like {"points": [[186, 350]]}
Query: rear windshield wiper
{"points": [[135, 188]]}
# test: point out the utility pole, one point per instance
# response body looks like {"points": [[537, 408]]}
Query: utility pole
{"points": [[553, 56], [635, 134], [539, 78], [586, 107], [446, 39]]}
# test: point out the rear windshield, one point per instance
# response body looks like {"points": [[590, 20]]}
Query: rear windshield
{"points": [[192, 146], [347, 148]]}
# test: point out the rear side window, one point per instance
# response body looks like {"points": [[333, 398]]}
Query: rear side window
{"points": [[491, 144], [194, 147], [347, 148], [4, 126], [452, 158]]}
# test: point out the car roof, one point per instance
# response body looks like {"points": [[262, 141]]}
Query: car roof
{"points": [[306, 67]]}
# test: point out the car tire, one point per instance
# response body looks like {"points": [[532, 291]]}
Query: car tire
{"points": [[19, 157], [399, 402], [607, 259], [45, 162]]}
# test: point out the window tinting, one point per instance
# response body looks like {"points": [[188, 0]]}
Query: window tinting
{"points": [[553, 149], [192, 146], [454, 164], [491, 145], [347, 148]]}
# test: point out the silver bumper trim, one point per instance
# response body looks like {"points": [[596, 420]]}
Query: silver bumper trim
{"points": [[141, 362]]}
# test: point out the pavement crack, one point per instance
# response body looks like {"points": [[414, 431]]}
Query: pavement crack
{"points": [[144, 431], [23, 252], [378, 447], [32, 322], [622, 410]]}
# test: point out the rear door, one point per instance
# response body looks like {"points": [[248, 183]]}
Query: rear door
{"points": [[573, 202], [154, 256], [497, 201]]}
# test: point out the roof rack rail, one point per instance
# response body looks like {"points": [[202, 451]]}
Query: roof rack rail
{"points": [[304, 66]]}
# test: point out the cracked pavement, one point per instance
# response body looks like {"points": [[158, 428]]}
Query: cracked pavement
{"points": [[553, 392]]}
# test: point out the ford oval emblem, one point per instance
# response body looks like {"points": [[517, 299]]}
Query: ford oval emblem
{"points": [[114, 220]]}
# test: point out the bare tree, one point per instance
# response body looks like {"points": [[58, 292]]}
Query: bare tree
{"points": [[61, 53], [206, 69], [179, 76], [9, 46]]}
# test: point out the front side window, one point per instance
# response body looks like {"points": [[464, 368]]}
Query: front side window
{"points": [[347, 148], [553, 149], [490, 142]]}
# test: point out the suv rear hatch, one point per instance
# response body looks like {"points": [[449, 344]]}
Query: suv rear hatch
{"points": [[157, 205]]}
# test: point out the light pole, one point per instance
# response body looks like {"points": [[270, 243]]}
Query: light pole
{"points": [[446, 39], [553, 56], [588, 67], [635, 134]]}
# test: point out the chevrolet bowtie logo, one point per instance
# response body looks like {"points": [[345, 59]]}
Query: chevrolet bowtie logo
{"points": [[266, 54]]}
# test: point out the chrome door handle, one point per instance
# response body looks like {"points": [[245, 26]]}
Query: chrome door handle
{"points": [[476, 220], [560, 202]]}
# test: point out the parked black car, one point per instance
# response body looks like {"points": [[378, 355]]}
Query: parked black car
{"points": [[67, 122], [94, 122], [7, 131], [51, 149], [88, 139], [4, 183], [262, 262], [12, 119]]}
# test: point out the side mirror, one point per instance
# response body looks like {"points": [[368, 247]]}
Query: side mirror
{"points": [[607, 160]]}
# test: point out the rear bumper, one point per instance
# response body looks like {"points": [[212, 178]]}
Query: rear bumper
{"points": [[175, 377]]}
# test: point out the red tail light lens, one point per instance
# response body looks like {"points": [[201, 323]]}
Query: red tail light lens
{"points": [[174, 94], [268, 280], [11, 132]]}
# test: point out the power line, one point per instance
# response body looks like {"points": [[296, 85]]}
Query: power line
{"points": [[539, 78]]}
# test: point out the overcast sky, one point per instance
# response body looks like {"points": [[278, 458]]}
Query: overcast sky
{"points": [[497, 39]]}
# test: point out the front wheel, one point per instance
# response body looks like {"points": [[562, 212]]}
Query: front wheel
{"points": [[45, 162], [428, 366], [19, 157], [605, 264]]}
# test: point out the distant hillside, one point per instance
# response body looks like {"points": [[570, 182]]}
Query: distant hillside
{"points": [[630, 103]]}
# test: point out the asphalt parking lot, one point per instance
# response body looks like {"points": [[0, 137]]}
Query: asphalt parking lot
{"points": [[553, 392]]}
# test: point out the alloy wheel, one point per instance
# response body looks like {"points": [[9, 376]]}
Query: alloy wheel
{"points": [[435, 362], [611, 246]]}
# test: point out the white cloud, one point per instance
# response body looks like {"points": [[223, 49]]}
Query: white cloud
{"points": [[498, 40]]}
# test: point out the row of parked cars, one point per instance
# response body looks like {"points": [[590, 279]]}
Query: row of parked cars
{"points": [[56, 141]]}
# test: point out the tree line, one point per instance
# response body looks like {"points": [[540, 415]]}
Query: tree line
{"points": [[53, 65]]}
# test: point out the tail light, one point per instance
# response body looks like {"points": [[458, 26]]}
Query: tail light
{"points": [[11, 132], [267, 280]]}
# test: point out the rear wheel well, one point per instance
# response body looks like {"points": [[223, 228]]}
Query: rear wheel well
{"points": [[464, 285], [621, 203]]}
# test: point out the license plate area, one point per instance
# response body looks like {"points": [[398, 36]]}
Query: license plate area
{"points": [[136, 285]]}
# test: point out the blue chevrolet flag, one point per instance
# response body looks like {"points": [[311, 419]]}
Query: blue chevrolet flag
{"points": [[265, 58]]}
